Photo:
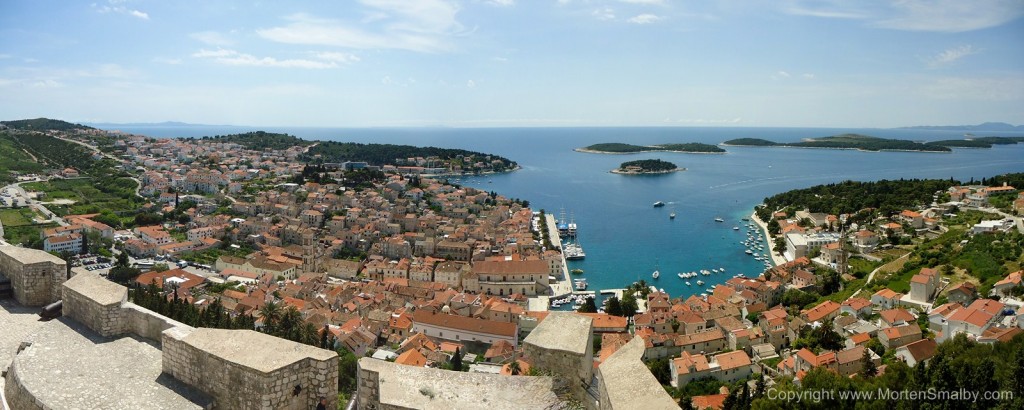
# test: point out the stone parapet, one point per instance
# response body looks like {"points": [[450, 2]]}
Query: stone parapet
{"points": [[18, 397], [626, 383], [244, 369], [96, 303], [385, 385], [562, 345], [36, 276]]}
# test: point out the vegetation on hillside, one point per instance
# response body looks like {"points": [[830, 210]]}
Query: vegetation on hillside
{"points": [[260, 140], [847, 141], [849, 197], [981, 142], [389, 154], [649, 165], [959, 365], [43, 124], [621, 148], [755, 142]]}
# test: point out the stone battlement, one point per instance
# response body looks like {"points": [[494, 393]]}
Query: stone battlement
{"points": [[245, 369], [35, 276], [232, 369]]}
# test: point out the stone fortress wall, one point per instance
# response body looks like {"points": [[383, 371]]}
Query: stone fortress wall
{"points": [[36, 276], [563, 345], [239, 369], [245, 369], [560, 346]]}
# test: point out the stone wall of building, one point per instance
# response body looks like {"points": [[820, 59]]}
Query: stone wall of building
{"points": [[244, 369], [624, 382], [36, 276]]}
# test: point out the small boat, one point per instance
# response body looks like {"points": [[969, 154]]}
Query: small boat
{"points": [[576, 271], [719, 219], [700, 283], [659, 204], [580, 284], [744, 219], [749, 252], [687, 283], [682, 275], [735, 228], [672, 215], [656, 274]]}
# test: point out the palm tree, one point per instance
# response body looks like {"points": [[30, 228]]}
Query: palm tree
{"points": [[271, 313], [290, 324], [513, 368]]}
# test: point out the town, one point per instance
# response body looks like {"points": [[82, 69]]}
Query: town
{"points": [[426, 287]]}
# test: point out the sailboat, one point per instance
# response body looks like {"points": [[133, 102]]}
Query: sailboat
{"points": [[656, 274]]}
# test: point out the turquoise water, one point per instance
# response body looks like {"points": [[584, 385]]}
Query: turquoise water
{"points": [[625, 238]]}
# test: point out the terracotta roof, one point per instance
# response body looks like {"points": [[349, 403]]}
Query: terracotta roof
{"points": [[888, 294], [412, 357], [733, 360], [687, 363], [922, 349], [893, 316], [857, 303], [465, 323], [850, 355], [820, 311], [711, 401]]}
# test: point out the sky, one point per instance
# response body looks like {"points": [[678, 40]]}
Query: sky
{"points": [[483, 63]]}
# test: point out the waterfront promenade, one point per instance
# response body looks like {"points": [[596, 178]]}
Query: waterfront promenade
{"points": [[776, 258]]}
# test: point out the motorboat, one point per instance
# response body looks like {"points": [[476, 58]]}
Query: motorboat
{"points": [[656, 274], [659, 204], [719, 219], [700, 283]]}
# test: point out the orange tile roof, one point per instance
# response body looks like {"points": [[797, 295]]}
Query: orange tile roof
{"points": [[412, 357]]}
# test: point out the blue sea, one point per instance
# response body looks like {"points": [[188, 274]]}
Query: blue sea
{"points": [[624, 237]]}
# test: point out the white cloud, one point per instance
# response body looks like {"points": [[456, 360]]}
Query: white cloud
{"points": [[951, 55], [808, 76], [645, 18], [502, 3], [212, 38], [344, 58], [422, 26], [950, 16], [605, 14], [471, 84], [118, 6], [235, 58]]}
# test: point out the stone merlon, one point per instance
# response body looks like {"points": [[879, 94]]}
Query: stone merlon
{"points": [[626, 383]]}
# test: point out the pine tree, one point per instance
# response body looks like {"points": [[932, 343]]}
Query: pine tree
{"points": [[456, 361], [868, 368]]}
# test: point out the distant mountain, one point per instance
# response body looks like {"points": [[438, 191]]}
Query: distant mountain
{"points": [[988, 126], [150, 124]]}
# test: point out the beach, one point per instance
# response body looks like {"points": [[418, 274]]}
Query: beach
{"points": [[776, 258]]}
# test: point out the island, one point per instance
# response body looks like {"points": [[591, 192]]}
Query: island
{"points": [[646, 167], [621, 148], [845, 141], [978, 142]]}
